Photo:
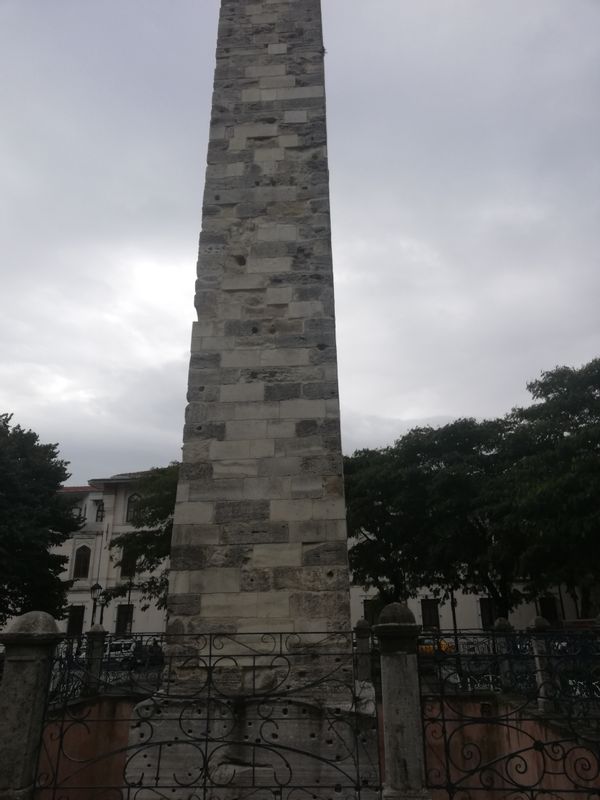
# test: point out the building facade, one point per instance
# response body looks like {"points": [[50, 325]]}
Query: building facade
{"points": [[106, 506]]}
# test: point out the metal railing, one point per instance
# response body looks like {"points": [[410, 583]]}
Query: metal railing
{"points": [[279, 715], [511, 714]]}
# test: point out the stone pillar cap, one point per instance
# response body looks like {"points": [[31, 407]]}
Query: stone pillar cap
{"points": [[96, 630], [362, 627], [396, 614], [34, 627]]}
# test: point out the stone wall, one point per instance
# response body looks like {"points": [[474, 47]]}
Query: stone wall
{"points": [[259, 539]]}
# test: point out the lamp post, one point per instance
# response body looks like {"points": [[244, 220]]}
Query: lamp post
{"points": [[104, 601], [95, 592]]}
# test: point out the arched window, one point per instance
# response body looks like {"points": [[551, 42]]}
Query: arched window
{"points": [[100, 511], [132, 502], [81, 567]]}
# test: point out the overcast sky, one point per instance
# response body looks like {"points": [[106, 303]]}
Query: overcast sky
{"points": [[465, 165]]}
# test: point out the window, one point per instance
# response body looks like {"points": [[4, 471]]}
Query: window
{"points": [[81, 567], [549, 609], [128, 562], [124, 620], [132, 502], [430, 611], [100, 511], [488, 612], [372, 608], [75, 620]]}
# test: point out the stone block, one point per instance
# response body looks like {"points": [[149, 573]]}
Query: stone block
{"points": [[327, 553], [273, 605], [291, 510], [277, 49], [256, 580], [255, 533], [198, 513], [312, 579], [246, 357], [281, 429], [318, 531], [329, 508], [262, 448], [242, 393], [243, 511], [229, 604], [302, 409], [217, 489], [229, 450], [276, 555], [285, 358], [268, 411], [243, 468], [246, 429], [215, 579], [296, 116]]}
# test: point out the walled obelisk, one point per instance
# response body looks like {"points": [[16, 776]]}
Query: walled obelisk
{"points": [[259, 539]]}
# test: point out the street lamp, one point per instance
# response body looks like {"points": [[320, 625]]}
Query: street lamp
{"points": [[95, 592]]}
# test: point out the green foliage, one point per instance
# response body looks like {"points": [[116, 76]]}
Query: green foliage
{"points": [[507, 507], [149, 545], [34, 518], [559, 481]]}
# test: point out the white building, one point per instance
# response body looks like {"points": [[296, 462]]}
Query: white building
{"points": [[471, 611], [106, 506]]}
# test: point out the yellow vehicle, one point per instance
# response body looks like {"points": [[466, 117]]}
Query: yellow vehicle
{"points": [[428, 645]]}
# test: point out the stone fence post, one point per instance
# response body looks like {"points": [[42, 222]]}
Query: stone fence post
{"points": [[362, 631], [540, 628], [29, 643], [95, 639], [402, 716]]}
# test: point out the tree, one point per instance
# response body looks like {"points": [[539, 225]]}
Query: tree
{"points": [[559, 480], [34, 518], [430, 512], [147, 548], [509, 507]]}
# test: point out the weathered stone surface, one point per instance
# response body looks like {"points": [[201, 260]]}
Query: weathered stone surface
{"points": [[261, 493]]}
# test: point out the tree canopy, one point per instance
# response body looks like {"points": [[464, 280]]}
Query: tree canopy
{"points": [[34, 518], [507, 507], [149, 545]]}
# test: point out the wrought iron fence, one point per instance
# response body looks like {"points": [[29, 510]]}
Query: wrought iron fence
{"points": [[265, 715], [511, 714]]}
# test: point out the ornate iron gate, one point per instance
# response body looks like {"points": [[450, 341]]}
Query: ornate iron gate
{"points": [[511, 715], [266, 715]]}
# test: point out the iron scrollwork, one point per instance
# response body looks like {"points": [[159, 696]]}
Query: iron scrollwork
{"points": [[512, 715], [223, 716]]}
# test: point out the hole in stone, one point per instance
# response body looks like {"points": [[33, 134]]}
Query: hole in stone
{"points": [[284, 711], [337, 788], [241, 260], [313, 736], [254, 329], [274, 736]]}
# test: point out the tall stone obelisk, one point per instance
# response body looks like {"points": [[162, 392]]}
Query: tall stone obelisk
{"points": [[259, 539]]}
